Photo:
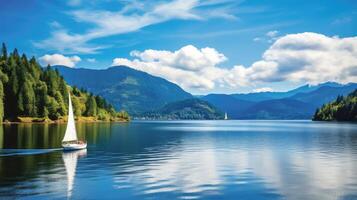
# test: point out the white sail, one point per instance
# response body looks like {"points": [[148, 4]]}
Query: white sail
{"points": [[225, 116], [71, 134]]}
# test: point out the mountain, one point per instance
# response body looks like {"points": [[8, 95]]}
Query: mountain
{"points": [[324, 94], [341, 109], [140, 94], [299, 103], [278, 109], [186, 109], [228, 103], [262, 96], [126, 88]]}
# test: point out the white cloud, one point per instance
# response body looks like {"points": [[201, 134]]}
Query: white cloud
{"points": [[307, 57], [263, 89], [55, 24], [270, 37], [132, 17], [91, 60], [296, 58], [189, 67], [272, 34], [257, 39], [58, 59]]}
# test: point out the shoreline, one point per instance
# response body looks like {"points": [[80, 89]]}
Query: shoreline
{"points": [[30, 120]]}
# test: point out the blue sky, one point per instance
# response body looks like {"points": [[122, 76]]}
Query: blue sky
{"points": [[191, 41]]}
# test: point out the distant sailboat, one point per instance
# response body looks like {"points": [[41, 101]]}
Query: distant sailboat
{"points": [[225, 116], [70, 140]]}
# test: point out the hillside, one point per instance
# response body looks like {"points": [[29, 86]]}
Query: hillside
{"points": [[227, 103], [186, 109], [141, 93], [128, 89], [341, 109], [262, 96], [278, 109], [29, 93], [299, 103], [324, 94]]}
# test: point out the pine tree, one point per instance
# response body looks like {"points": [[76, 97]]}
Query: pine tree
{"points": [[4, 52], [27, 89], [1, 101], [91, 107], [41, 99], [28, 99], [62, 110]]}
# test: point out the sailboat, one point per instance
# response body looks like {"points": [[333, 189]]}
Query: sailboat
{"points": [[70, 140], [225, 116]]}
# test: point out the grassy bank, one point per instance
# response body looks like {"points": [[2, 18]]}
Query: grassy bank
{"points": [[63, 120]]}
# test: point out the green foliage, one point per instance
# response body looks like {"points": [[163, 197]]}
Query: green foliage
{"points": [[28, 90], [186, 109], [342, 109], [1, 100], [91, 107]]}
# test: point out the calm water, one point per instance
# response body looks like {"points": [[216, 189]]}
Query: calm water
{"points": [[182, 160]]}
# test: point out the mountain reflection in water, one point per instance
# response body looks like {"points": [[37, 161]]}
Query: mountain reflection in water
{"points": [[185, 160]]}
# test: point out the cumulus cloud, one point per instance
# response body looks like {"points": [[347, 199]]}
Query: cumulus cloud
{"points": [[59, 59], [183, 66], [263, 89], [307, 57], [300, 58]]}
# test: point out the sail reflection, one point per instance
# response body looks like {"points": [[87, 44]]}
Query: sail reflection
{"points": [[70, 162]]}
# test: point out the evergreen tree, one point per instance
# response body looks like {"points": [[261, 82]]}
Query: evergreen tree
{"points": [[62, 110], [91, 107], [76, 106], [342, 109], [27, 89], [4, 52], [52, 107], [42, 100], [1, 101], [29, 103]]}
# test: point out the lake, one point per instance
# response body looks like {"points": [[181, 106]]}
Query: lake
{"points": [[181, 160]]}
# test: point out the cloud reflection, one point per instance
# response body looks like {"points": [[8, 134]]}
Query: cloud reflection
{"points": [[206, 164]]}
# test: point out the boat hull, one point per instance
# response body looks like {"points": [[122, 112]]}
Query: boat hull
{"points": [[73, 147]]}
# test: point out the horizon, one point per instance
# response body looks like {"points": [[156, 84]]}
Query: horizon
{"points": [[220, 46]]}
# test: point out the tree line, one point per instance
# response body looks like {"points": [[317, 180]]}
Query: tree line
{"points": [[29, 90], [341, 109]]}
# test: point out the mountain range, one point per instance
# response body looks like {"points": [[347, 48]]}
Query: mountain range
{"points": [[143, 95], [126, 88], [299, 103]]}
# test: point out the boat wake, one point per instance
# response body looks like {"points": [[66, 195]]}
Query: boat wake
{"points": [[21, 152]]}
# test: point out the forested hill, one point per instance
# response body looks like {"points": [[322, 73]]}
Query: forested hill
{"points": [[188, 109], [342, 109], [30, 92], [126, 88]]}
